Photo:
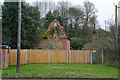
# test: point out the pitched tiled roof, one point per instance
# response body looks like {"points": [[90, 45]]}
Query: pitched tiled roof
{"points": [[52, 24], [55, 29]]}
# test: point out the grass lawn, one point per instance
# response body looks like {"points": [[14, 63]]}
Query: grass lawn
{"points": [[61, 71]]}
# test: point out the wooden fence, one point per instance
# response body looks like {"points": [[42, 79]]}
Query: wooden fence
{"points": [[49, 56]]}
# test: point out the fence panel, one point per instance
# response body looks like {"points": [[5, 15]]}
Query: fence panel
{"points": [[58, 56], [97, 58], [49, 56], [13, 57], [79, 56], [37, 56]]}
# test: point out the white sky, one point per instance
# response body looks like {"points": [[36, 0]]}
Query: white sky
{"points": [[105, 8]]}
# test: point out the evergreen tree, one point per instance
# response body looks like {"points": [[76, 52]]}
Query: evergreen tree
{"points": [[30, 21]]}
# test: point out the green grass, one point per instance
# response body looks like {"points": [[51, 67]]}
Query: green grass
{"points": [[61, 71]]}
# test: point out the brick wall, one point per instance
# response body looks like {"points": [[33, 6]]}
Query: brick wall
{"points": [[4, 58], [62, 44]]}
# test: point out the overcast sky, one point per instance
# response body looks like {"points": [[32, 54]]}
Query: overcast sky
{"points": [[105, 8]]}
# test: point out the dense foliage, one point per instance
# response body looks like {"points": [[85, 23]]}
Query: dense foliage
{"points": [[30, 20]]}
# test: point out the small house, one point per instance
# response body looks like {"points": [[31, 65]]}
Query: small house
{"points": [[55, 37]]}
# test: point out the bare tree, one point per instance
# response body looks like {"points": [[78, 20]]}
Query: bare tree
{"points": [[63, 8], [113, 28], [90, 14], [77, 15], [45, 7]]}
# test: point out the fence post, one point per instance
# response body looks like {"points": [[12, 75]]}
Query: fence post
{"points": [[102, 57], [67, 56], [26, 57], [91, 57], [49, 56]]}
